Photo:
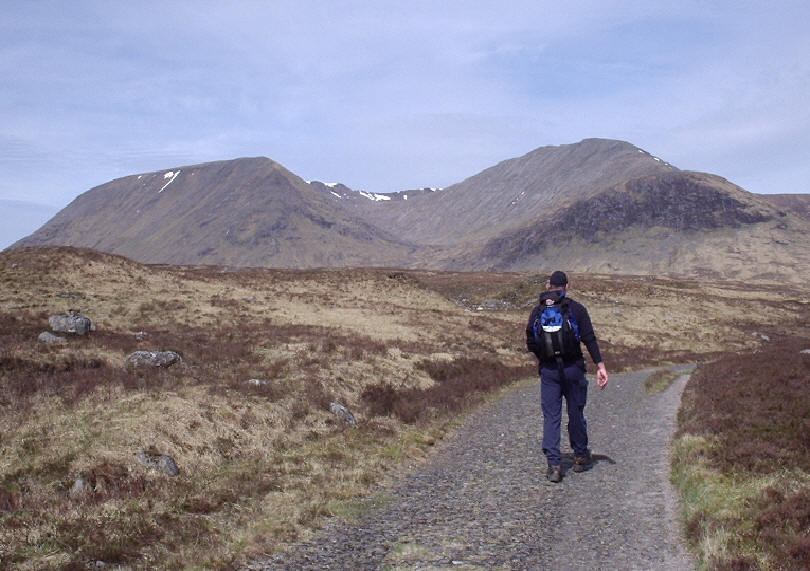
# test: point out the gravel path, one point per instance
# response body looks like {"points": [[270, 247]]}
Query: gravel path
{"points": [[483, 502]]}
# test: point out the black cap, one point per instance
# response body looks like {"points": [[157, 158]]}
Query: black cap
{"points": [[558, 279]]}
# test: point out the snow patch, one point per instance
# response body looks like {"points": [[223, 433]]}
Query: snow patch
{"points": [[171, 176], [374, 197], [335, 193]]}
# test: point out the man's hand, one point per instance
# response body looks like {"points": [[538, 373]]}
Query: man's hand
{"points": [[601, 375]]}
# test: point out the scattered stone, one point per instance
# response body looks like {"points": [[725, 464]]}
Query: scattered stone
{"points": [[258, 382], [141, 335], [343, 413], [51, 339], [153, 359], [805, 351], [70, 323], [161, 463], [764, 337]]}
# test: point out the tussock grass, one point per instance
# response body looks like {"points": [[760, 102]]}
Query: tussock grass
{"points": [[262, 464]]}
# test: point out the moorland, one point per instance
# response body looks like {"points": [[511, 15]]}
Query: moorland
{"points": [[263, 461]]}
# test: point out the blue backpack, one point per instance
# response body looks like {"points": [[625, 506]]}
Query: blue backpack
{"points": [[555, 330]]}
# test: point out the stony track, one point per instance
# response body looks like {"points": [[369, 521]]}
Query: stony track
{"points": [[482, 502]]}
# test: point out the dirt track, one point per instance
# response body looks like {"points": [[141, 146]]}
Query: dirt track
{"points": [[483, 501]]}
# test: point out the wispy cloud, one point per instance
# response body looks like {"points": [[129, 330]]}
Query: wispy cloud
{"points": [[386, 95]]}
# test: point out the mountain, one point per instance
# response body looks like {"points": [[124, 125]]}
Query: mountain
{"points": [[594, 206], [243, 212], [516, 192], [799, 204]]}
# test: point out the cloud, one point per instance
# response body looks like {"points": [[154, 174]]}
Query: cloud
{"points": [[387, 95]]}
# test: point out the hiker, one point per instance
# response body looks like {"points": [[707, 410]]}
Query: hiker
{"points": [[554, 332]]}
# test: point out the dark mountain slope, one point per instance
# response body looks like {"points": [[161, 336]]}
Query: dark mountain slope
{"points": [[680, 222], [515, 192]]}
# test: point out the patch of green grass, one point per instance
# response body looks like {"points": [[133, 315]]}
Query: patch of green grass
{"points": [[659, 381], [353, 508]]}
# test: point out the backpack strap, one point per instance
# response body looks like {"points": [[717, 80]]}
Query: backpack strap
{"points": [[558, 348]]}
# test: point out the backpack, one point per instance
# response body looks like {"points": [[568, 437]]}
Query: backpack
{"points": [[555, 330]]}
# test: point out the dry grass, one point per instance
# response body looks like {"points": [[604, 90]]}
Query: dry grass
{"points": [[263, 464]]}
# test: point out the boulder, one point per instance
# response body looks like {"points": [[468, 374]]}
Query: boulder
{"points": [[344, 414], [153, 359], [161, 463], [79, 487], [70, 323], [50, 339]]}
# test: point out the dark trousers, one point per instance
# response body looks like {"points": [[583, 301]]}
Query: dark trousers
{"points": [[574, 388]]}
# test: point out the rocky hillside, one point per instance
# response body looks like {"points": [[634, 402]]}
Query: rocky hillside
{"points": [[594, 206]]}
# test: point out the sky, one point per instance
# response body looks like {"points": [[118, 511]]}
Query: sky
{"points": [[385, 96]]}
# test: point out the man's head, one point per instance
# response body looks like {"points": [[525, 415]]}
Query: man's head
{"points": [[557, 280]]}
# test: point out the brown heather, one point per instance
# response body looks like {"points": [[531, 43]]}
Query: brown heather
{"points": [[263, 464], [755, 411]]}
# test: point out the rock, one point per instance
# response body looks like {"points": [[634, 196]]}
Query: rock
{"points": [[70, 323], [161, 463], [258, 382], [805, 351], [167, 465], [153, 359], [764, 337], [343, 413], [79, 487], [51, 339]]}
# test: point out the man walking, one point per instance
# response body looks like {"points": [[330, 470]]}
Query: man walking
{"points": [[555, 330]]}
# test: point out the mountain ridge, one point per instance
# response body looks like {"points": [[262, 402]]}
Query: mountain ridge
{"points": [[597, 205]]}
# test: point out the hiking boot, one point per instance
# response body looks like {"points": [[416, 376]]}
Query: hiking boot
{"points": [[554, 474], [582, 463]]}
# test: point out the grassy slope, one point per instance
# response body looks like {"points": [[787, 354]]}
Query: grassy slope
{"points": [[262, 465]]}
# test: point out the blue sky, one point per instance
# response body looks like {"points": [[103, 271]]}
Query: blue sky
{"points": [[385, 96]]}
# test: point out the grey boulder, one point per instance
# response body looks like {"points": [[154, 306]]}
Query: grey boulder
{"points": [[70, 323], [153, 359]]}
